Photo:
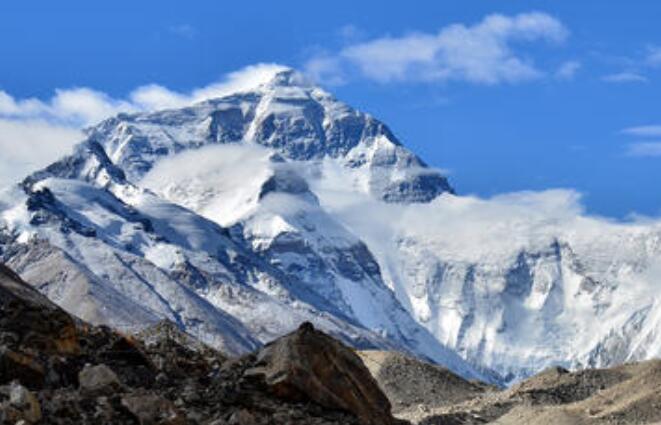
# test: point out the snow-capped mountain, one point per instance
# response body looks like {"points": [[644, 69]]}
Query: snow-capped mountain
{"points": [[241, 216], [235, 253]]}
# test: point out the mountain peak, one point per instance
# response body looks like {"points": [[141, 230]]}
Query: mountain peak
{"points": [[274, 107], [289, 77]]}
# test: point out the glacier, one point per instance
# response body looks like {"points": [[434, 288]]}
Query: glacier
{"points": [[240, 216]]}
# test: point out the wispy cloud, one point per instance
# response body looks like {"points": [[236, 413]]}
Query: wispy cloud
{"points": [[483, 53], [653, 57], [568, 70], [643, 131], [633, 68], [644, 149], [624, 77], [35, 132], [83, 106]]}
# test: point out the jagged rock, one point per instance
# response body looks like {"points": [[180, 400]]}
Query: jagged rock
{"points": [[22, 405], [99, 379], [175, 353], [310, 365], [241, 417], [151, 409]]}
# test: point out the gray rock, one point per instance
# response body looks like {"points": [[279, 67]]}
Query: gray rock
{"points": [[99, 379], [25, 402], [151, 409]]}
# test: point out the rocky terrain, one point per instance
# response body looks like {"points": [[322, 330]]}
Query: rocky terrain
{"points": [[55, 369], [426, 394]]}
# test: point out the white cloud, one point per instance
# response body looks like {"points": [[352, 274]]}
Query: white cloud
{"points": [[644, 149], [483, 53], [624, 77], [84, 106], [35, 132], [325, 68], [568, 70], [643, 131], [31, 144]]}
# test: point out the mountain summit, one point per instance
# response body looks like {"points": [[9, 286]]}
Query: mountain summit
{"points": [[287, 114]]}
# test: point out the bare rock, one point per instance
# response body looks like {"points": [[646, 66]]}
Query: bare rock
{"points": [[22, 404], [151, 409], [310, 365], [99, 379], [37, 322]]}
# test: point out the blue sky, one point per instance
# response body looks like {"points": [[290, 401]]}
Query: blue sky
{"points": [[546, 94]]}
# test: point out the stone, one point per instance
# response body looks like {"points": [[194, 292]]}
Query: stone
{"points": [[25, 402], [151, 409], [99, 379], [242, 417], [308, 365]]}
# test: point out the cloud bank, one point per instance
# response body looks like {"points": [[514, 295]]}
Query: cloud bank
{"points": [[483, 53]]}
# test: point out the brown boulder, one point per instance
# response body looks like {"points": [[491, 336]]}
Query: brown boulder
{"points": [[99, 380], [310, 365]]}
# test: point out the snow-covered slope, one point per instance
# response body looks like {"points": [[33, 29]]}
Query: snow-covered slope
{"points": [[226, 241], [520, 282], [241, 216]]}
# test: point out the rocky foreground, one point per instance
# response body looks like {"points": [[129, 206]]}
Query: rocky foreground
{"points": [[56, 369], [426, 394]]}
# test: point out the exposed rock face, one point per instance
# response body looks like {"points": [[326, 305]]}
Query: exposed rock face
{"points": [[310, 365], [99, 380], [162, 376], [28, 319]]}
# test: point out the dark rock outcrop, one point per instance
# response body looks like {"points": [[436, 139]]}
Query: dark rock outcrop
{"points": [[308, 365], [30, 321]]}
